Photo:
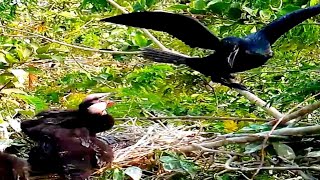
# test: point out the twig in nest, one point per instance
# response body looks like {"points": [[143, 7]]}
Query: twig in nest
{"points": [[188, 118], [246, 169], [289, 116], [204, 149]]}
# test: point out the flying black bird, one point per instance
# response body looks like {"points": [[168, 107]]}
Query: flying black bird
{"points": [[13, 168], [232, 54], [91, 114], [73, 153]]}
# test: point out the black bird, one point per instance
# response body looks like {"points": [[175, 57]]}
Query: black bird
{"points": [[232, 54], [60, 130], [73, 153], [13, 168], [91, 114]]}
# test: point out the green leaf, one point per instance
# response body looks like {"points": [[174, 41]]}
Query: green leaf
{"points": [[235, 11], [287, 9], [118, 174], [199, 4], [134, 172], [171, 164], [218, 7], [253, 147], [189, 167], [140, 40], [314, 2], [284, 150], [11, 59], [150, 3], [43, 56], [43, 49], [37, 102], [178, 7], [68, 14]]}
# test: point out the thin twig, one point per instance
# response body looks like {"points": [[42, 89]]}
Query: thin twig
{"points": [[6, 84], [181, 118], [123, 10], [255, 137], [70, 45], [204, 149], [289, 116]]}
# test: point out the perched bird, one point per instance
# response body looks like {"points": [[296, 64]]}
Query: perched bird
{"points": [[74, 153], [13, 168], [92, 114], [232, 54]]}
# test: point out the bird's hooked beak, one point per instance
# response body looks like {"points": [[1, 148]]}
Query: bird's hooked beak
{"points": [[233, 56]]}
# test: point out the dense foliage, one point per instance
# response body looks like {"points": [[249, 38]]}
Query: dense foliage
{"points": [[38, 74]]}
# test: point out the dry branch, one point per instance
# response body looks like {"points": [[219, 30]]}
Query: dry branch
{"points": [[255, 137]]}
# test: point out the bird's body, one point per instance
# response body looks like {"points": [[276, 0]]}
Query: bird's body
{"points": [[71, 131], [13, 168], [73, 153], [232, 54]]}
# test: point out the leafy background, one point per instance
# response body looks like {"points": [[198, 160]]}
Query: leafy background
{"points": [[40, 74]]}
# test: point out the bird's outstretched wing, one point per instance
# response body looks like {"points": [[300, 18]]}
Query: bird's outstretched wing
{"points": [[185, 28], [277, 28]]}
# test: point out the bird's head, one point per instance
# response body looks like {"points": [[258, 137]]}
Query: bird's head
{"points": [[256, 45], [94, 109], [96, 104]]}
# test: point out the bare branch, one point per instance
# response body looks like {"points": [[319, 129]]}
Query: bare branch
{"points": [[255, 137], [192, 118]]}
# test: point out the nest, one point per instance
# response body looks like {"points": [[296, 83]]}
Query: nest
{"points": [[138, 141]]}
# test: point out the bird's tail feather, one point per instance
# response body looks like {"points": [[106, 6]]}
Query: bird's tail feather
{"points": [[164, 56]]}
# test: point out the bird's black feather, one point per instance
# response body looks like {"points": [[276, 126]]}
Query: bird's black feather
{"points": [[277, 28], [183, 27], [232, 54]]}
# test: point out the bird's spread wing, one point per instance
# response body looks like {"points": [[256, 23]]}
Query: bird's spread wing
{"points": [[185, 28], [274, 30]]}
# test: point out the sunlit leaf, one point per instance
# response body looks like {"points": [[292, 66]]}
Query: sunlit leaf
{"points": [[66, 14], [199, 4], [314, 2], [134, 172], [118, 174], [230, 126], [37, 102], [43, 49], [20, 74], [8, 91], [178, 7]]}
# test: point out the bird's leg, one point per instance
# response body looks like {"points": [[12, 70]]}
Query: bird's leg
{"points": [[228, 81]]}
